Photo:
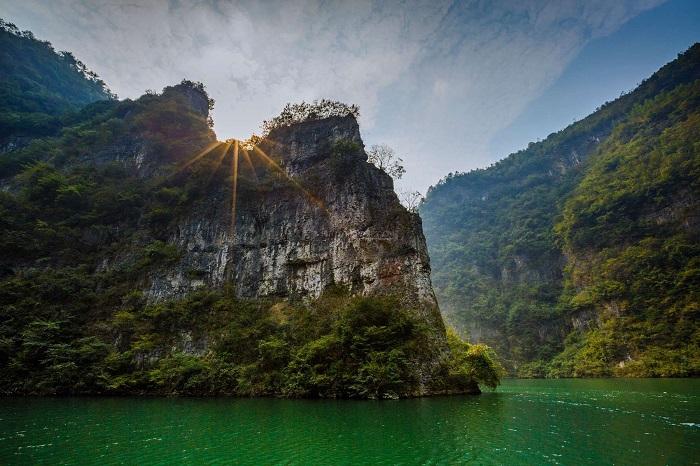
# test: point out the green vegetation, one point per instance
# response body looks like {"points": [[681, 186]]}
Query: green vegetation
{"points": [[86, 214], [469, 362], [577, 256], [209, 343], [634, 219], [39, 88], [64, 213], [316, 110]]}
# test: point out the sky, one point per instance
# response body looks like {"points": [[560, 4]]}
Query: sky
{"points": [[451, 85]]}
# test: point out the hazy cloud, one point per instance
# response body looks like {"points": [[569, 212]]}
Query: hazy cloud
{"points": [[435, 79]]}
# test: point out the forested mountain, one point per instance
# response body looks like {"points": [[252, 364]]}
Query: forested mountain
{"points": [[578, 256], [138, 254], [39, 87]]}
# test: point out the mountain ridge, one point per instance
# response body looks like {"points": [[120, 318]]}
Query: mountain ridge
{"points": [[499, 265]]}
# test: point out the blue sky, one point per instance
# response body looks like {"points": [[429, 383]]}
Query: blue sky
{"points": [[604, 68], [451, 85]]}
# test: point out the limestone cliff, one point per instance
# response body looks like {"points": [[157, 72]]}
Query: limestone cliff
{"points": [[335, 221]]}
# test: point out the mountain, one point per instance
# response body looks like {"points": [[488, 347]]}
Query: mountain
{"points": [[40, 88], [138, 255], [578, 256]]}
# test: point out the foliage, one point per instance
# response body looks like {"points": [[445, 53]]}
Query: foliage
{"points": [[211, 343], [469, 363], [316, 110], [384, 158], [66, 209], [341, 159], [87, 212], [370, 351], [500, 238], [632, 215], [40, 88]]}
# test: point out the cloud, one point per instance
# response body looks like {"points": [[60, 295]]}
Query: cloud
{"points": [[435, 79]]}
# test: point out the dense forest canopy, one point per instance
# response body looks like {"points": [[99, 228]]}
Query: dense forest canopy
{"points": [[39, 85], [556, 247]]}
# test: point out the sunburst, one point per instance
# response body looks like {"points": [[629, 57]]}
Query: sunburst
{"points": [[271, 163], [248, 152], [219, 161], [206, 151], [249, 162], [234, 188]]}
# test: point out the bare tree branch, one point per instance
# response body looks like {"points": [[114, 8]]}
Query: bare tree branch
{"points": [[384, 158]]}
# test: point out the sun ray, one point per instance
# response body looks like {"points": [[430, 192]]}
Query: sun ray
{"points": [[234, 182], [271, 163], [210, 147], [249, 162], [219, 161], [235, 161]]}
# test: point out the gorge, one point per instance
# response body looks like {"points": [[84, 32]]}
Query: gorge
{"points": [[172, 294], [577, 257]]}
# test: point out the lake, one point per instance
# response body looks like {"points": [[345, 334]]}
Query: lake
{"points": [[524, 422]]}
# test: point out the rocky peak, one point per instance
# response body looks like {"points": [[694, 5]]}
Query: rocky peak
{"points": [[335, 221], [193, 94], [303, 144], [140, 147]]}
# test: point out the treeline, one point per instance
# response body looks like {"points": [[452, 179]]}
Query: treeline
{"points": [[210, 343], [39, 86]]}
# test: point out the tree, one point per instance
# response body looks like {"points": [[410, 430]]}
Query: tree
{"points": [[472, 363], [384, 158], [316, 110], [410, 200]]}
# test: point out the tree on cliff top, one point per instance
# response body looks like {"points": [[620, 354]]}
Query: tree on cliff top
{"points": [[384, 158], [316, 110]]}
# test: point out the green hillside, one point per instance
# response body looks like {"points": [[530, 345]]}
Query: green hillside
{"points": [[523, 251], [39, 86]]}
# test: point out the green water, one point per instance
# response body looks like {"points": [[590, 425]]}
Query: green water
{"points": [[524, 422]]}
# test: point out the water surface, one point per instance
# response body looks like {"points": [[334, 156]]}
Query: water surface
{"points": [[524, 422]]}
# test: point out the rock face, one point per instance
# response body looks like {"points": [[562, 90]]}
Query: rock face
{"points": [[324, 217], [140, 255]]}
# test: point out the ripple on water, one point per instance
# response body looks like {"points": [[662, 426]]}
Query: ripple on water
{"points": [[527, 422]]}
